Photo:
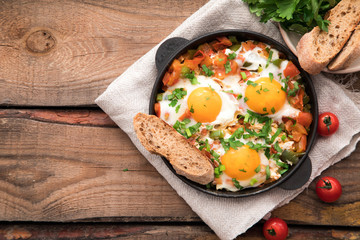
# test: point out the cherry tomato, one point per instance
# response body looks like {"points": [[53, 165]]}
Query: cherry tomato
{"points": [[275, 229], [328, 189], [328, 124]]}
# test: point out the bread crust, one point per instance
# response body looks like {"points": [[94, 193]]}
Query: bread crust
{"points": [[348, 54], [317, 48], [160, 138]]}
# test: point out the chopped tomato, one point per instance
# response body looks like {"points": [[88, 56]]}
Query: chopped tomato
{"points": [[206, 49], [187, 114], [234, 67], [221, 43], [288, 125], [172, 76], [219, 73], [157, 109], [219, 59], [204, 132], [194, 63], [297, 101], [301, 145], [248, 45], [297, 127], [304, 118], [296, 136], [241, 57], [291, 70]]}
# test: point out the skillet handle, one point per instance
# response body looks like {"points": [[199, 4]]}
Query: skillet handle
{"points": [[166, 49], [300, 177]]}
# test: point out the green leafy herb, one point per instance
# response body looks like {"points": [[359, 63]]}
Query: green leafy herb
{"points": [[232, 56], [207, 71], [269, 59], [293, 91], [227, 67], [192, 78], [294, 15], [125, 170], [242, 170], [258, 169], [245, 99], [271, 76], [237, 184], [249, 82], [239, 96], [273, 110], [267, 171], [177, 108], [191, 109]]}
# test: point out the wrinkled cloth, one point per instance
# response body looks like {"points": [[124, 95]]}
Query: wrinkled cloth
{"points": [[130, 94]]}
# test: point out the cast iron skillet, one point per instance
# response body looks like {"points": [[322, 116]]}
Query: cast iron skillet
{"points": [[298, 174]]}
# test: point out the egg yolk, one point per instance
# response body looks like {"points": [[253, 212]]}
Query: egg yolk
{"points": [[266, 97], [204, 104], [241, 163]]}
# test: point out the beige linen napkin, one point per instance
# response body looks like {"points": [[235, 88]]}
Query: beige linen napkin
{"points": [[130, 94]]}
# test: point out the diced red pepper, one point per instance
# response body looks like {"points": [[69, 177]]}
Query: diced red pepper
{"points": [[291, 70]]}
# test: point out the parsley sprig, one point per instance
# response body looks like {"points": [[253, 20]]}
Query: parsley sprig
{"points": [[294, 15]]}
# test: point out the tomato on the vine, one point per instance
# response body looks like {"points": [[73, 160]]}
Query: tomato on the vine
{"points": [[328, 189], [328, 124], [275, 229]]}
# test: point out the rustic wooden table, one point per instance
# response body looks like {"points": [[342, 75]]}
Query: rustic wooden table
{"points": [[62, 158]]}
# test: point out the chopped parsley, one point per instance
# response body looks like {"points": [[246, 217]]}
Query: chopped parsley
{"points": [[258, 169], [191, 109], [177, 108], [273, 110], [227, 67], [192, 78], [207, 71], [239, 96], [237, 184], [242, 170], [125, 170], [249, 82], [245, 99], [232, 56], [292, 92], [267, 171], [271, 76], [176, 95], [269, 59]]}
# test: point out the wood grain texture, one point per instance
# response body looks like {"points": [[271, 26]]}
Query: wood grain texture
{"points": [[65, 53], [199, 231], [69, 170]]}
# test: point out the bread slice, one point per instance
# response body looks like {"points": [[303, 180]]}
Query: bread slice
{"points": [[350, 52], [160, 138], [317, 48]]}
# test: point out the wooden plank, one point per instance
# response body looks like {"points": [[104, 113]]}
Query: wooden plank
{"points": [[62, 53], [68, 170], [159, 231]]}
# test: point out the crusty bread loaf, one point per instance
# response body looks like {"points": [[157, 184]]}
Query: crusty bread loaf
{"points": [[317, 48], [350, 52], [160, 138]]}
